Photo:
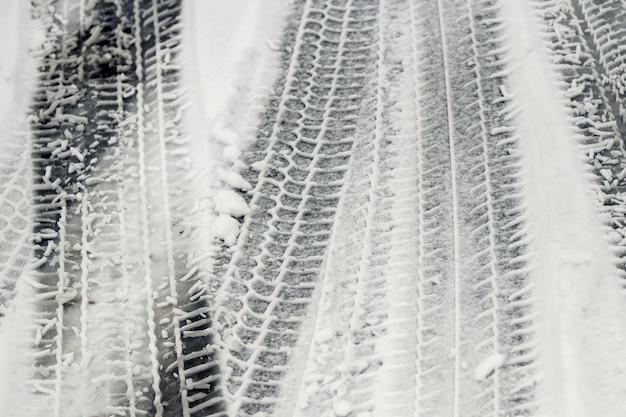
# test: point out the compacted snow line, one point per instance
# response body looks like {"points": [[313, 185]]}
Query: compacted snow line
{"points": [[158, 70], [122, 89], [84, 276], [127, 317], [61, 272], [84, 226], [59, 311]]}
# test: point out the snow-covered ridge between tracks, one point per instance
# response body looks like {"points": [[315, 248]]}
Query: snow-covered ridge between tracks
{"points": [[19, 34], [575, 274], [21, 37], [231, 55]]}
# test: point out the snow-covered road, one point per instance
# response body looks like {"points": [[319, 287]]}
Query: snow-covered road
{"points": [[312, 208]]}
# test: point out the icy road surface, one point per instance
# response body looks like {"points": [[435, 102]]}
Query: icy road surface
{"points": [[312, 208]]}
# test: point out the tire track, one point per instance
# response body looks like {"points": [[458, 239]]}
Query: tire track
{"points": [[469, 326], [343, 345], [184, 367], [306, 159], [55, 284], [116, 102], [593, 87], [15, 217], [590, 66], [474, 334], [435, 250], [492, 307], [455, 209], [85, 119]]}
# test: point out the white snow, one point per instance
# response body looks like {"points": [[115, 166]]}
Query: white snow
{"points": [[231, 203], [487, 366], [581, 330], [324, 335], [232, 70], [343, 408], [226, 228], [18, 35]]}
